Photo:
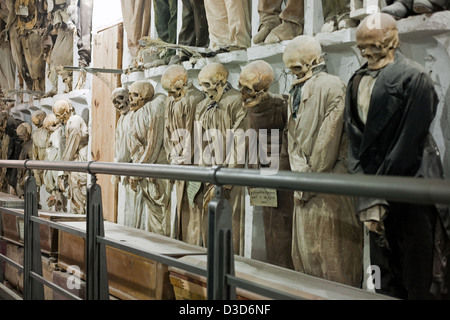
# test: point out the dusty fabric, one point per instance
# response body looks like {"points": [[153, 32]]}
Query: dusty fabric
{"points": [[76, 149], [34, 57], [227, 114], [18, 56], [14, 148], [22, 174], [166, 23], [229, 23], [271, 114], [180, 115], [39, 138], [270, 12], [54, 153], [7, 68], [84, 27], [409, 3], [334, 10], [146, 146], [327, 237], [4, 156], [194, 30], [125, 207], [61, 55], [137, 22], [395, 141]]}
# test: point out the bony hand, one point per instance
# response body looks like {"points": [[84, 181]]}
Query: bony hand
{"points": [[134, 183], [62, 183]]}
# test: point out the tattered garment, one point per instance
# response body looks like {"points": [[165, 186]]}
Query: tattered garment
{"points": [[125, 207], [327, 238], [146, 146], [77, 138], [179, 145], [221, 127]]}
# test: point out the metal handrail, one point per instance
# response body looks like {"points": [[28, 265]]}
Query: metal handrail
{"points": [[403, 189], [407, 189]]}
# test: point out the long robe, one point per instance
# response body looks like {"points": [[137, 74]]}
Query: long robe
{"points": [[227, 114], [39, 138], [53, 152], [271, 114], [395, 141], [126, 213], [327, 237], [76, 149], [137, 22], [180, 115], [146, 146]]}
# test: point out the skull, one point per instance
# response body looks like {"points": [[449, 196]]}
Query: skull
{"points": [[175, 81], [51, 123], [377, 39], [254, 82], [213, 79], [120, 99], [301, 55], [38, 118], [24, 131], [140, 92], [62, 110]]}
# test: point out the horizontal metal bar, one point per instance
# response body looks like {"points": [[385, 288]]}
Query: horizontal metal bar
{"points": [[259, 289], [402, 189], [52, 286], [153, 256], [11, 262], [56, 225]]}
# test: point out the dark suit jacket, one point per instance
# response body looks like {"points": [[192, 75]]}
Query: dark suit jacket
{"points": [[395, 140]]}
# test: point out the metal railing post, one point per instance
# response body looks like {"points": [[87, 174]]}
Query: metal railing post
{"points": [[220, 252], [96, 267], [32, 261]]}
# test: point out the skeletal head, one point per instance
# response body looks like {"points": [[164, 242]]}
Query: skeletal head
{"points": [[377, 38], [213, 79], [175, 81], [254, 81], [140, 92], [120, 100], [62, 110], [38, 117], [51, 122], [301, 55], [24, 131]]}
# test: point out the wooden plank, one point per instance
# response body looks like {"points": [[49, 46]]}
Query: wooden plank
{"points": [[107, 53], [131, 277], [281, 279]]}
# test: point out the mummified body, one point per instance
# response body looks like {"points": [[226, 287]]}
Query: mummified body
{"points": [[56, 201], [181, 104], [267, 111], [327, 238], [39, 138], [221, 111], [75, 149], [146, 146], [126, 213], [23, 134], [391, 103]]}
